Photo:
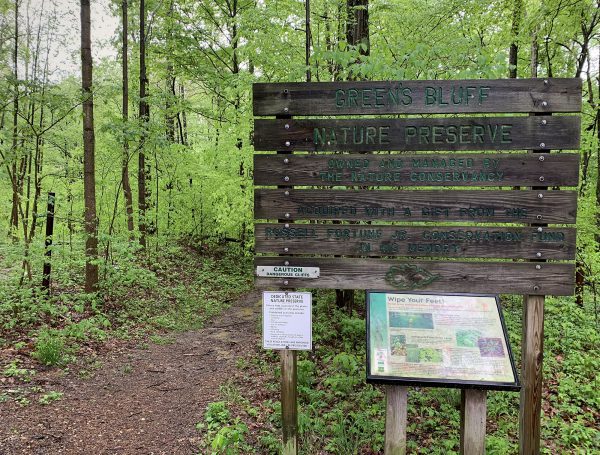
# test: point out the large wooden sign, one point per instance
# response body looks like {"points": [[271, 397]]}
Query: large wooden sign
{"points": [[362, 209]]}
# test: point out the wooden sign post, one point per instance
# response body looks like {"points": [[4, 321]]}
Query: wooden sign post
{"points": [[413, 162]]}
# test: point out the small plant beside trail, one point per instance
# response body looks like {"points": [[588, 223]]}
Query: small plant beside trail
{"points": [[49, 348], [222, 434]]}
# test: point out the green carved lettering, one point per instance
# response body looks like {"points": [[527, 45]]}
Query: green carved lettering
{"points": [[435, 212], [345, 130], [409, 132], [319, 136], [436, 133], [383, 135], [393, 96], [406, 96], [518, 212], [370, 135], [483, 93], [505, 134], [478, 132], [379, 92], [430, 96], [441, 101], [476, 212], [464, 133], [366, 97], [340, 101], [352, 97], [451, 134], [469, 91]]}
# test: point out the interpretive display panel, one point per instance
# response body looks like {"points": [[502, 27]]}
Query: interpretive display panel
{"points": [[287, 320], [446, 340]]}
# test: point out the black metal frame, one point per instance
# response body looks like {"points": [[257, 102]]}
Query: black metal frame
{"points": [[450, 383]]}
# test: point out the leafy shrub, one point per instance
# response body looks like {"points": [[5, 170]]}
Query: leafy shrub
{"points": [[49, 348]]}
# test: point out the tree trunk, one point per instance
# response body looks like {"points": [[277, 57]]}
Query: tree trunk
{"points": [[89, 178], [514, 47], [307, 41], [170, 82], [357, 34], [183, 125], [14, 216], [357, 26], [125, 161], [598, 159], [143, 116]]}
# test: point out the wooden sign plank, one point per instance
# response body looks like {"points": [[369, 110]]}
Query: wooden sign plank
{"points": [[431, 276], [486, 206], [418, 97], [419, 134], [418, 170], [416, 241]]}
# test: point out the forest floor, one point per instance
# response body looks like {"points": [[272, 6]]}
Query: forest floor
{"points": [[138, 399]]}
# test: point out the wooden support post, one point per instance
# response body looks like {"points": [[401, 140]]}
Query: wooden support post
{"points": [[48, 243], [395, 419], [532, 357], [472, 421], [289, 377], [531, 374], [289, 402]]}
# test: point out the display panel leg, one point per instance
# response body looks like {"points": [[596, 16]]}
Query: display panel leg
{"points": [[473, 408], [395, 419], [289, 402], [532, 346]]}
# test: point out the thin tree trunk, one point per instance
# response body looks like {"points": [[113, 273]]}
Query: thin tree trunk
{"points": [[514, 47], [125, 162], [170, 82], [598, 157], [534, 53], [143, 116], [183, 117], [89, 178], [357, 33], [14, 217], [307, 41]]}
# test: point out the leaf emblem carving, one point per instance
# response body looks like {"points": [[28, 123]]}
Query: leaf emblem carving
{"points": [[409, 276]]}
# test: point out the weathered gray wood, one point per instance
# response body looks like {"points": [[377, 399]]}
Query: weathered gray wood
{"points": [[473, 409], [449, 276], [507, 169], [531, 373], [420, 241], [418, 134], [289, 402], [418, 97], [431, 205], [395, 419]]}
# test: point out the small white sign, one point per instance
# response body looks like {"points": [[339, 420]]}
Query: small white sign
{"points": [[287, 320], [287, 271]]}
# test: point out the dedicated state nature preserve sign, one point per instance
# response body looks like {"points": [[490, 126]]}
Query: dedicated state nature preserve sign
{"points": [[377, 201]]}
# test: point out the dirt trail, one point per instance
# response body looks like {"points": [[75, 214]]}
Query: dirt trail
{"points": [[143, 401]]}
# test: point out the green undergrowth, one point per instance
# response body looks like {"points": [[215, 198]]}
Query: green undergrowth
{"points": [[141, 297], [340, 414]]}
